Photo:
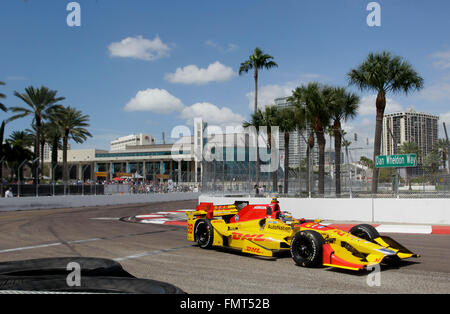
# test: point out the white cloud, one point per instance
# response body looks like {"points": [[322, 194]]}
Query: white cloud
{"points": [[191, 74], [211, 114], [268, 93], [367, 106], [161, 101], [154, 100], [230, 47], [442, 59], [439, 91], [139, 48]]}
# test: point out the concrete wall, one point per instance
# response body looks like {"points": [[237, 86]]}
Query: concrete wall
{"points": [[421, 211], [29, 203]]}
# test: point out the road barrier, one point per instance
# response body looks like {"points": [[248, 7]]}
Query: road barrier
{"points": [[48, 202], [415, 211]]}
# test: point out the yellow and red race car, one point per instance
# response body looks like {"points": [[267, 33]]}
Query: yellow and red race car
{"points": [[265, 230]]}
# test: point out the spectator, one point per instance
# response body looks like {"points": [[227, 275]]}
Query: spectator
{"points": [[9, 193]]}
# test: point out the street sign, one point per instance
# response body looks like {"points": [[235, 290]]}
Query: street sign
{"points": [[396, 161]]}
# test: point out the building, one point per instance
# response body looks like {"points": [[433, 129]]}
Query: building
{"points": [[131, 140], [140, 157], [410, 126]]}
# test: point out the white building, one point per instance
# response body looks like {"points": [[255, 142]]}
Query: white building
{"points": [[131, 140]]}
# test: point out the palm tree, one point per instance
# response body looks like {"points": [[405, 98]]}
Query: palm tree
{"points": [[384, 73], [54, 138], [287, 123], [71, 123], [40, 103], [257, 61], [313, 100], [16, 151], [26, 139], [343, 107], [256, 121], [269, 117]]}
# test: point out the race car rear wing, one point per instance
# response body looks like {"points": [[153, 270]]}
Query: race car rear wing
{"points": [[209, 210]]}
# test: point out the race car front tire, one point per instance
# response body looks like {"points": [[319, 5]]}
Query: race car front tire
{"points": [[204, 234], [365, 231], [306, 248]]}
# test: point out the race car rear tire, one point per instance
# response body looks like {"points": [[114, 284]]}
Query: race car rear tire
{"points": [[365, 231], [204, 234], [306, 248]]}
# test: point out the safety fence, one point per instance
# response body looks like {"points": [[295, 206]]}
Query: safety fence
{"points": [[240, 178]]}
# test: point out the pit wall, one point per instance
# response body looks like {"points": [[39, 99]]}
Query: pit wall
{"points": [[415, 211]]}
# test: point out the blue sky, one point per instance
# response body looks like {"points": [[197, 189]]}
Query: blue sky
{"points": [[147, 66]]}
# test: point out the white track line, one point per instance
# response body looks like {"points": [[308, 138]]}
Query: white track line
{"points": [[48, 245], [119, 259]]}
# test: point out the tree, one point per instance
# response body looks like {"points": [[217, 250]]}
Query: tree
{"points": [[40, 103], [312, 100], [16, 151], [257, 61], [366, 162], [286, 121], [269, 117], [72, 125], [25, 138], [344, 106], [442, 147], [384, 73]]}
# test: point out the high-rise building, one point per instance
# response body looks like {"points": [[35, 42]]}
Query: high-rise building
{"points": [[410, 126]]}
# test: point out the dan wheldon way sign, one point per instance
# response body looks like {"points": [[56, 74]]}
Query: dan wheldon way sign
{"points": [[400, 161]]}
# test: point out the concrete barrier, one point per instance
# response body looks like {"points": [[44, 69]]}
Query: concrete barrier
{"points": [[48, 202], [420, 211]]}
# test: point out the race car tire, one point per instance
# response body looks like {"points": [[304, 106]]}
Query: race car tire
{"points": [[204, 234], [365, 231], [306, 248]]}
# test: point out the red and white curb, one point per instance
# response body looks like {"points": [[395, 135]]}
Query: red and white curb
{"points": [[173, 217]]}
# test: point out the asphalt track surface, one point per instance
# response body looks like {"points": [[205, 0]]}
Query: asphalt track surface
{"points": [[161, 252]]}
